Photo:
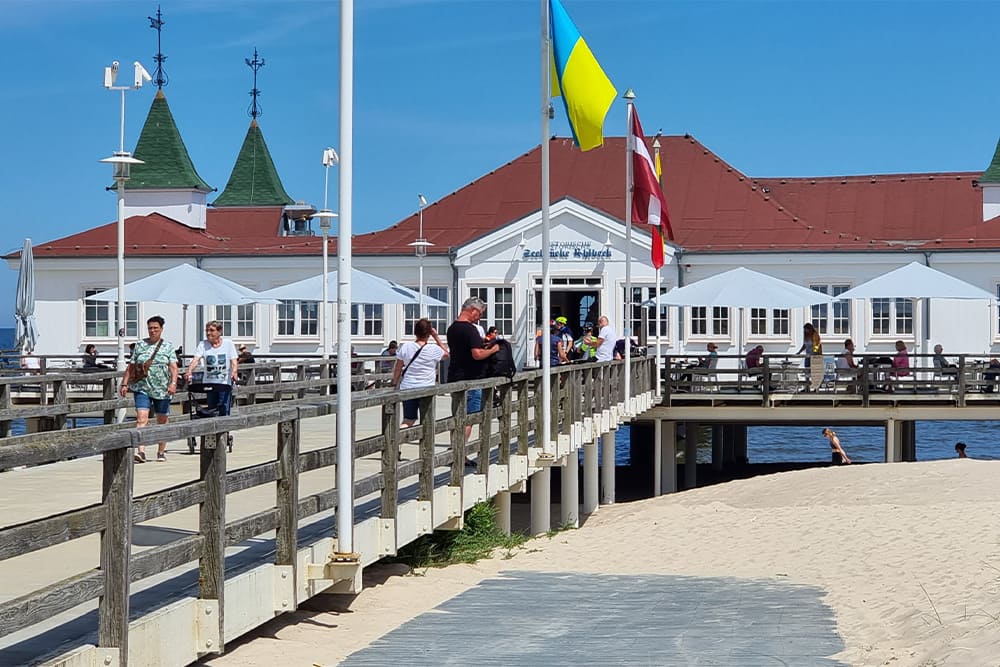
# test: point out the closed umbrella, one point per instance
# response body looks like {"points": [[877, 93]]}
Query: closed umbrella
{"points": [[24, 306]]}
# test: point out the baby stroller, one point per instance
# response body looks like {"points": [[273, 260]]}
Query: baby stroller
{"points": [[200, 408]]}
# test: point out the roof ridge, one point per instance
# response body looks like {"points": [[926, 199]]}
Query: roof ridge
{"points": [[167, 164], [254, 180]]}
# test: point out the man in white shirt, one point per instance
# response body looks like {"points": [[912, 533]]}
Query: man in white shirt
{"points": [[604, 342]]}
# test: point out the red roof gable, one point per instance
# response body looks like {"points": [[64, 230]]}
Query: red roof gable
{"points": [[713, 207]]}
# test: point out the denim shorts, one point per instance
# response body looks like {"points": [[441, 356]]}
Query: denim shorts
{"points": [[160, 406], [474, 401]]}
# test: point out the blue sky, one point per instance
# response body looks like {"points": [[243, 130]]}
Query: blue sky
{"points": [[446, 91]]}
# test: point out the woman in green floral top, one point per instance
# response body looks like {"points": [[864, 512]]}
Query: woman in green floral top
{"points": [[154, 390]]}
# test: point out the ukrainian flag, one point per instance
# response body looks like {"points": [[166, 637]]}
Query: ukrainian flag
{"points": [[586, 91]]}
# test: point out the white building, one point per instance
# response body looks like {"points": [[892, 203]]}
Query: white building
{"points": [[830, 233]]}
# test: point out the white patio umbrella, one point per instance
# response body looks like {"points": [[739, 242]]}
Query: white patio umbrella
{"points": [[187, 285], [917, 281], [365, 288], [742, 288], [24, 306]]}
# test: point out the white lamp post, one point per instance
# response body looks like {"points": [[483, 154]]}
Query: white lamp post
{"points": [[122, 161], [326, 217], [420, 248]]}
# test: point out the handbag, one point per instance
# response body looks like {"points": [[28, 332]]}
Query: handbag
{"points": [[138, 372]]}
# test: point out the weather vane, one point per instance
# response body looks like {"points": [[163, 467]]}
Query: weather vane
{"points": [[255, 65], [156, 24]]}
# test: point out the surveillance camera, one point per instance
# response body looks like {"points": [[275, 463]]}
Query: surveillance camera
{"points": [[330, 157], [110, 74], [140, 74]]}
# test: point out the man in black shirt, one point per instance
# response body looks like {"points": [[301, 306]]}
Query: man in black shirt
{"points": [[468, 356]]}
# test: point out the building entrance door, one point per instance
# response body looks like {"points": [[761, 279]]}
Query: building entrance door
{"points": [[577, 306]]}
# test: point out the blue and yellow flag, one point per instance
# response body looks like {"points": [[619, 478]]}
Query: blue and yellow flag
{"points": [[586, 91]]}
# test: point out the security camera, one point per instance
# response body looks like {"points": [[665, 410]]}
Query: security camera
{"points": [[110, 74], [140, 74], [330, 157]]}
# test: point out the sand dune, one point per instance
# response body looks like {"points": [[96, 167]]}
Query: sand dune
{"points": [[908, 553]]}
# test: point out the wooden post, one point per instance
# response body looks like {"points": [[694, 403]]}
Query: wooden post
{"points": [[286, 539], [503, 456], [251, 379], [390, 460], [116, 542], [523, 427], [60, 399], [485, 431], [427, 434], [300, 375], [458, 438], [212, 526], [6, 404], [108, 393]]}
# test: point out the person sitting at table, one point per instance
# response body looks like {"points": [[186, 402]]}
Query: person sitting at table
{"points": [[992, 375], [846, 358], [711, 360], [755, 359], [901, 362], [941, 364]]}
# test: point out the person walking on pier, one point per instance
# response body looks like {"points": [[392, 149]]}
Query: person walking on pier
{"points": [[838, 455], [604, 341], [812, 345], [465, 344], [416, 366], [151, 374], [221, 360]]}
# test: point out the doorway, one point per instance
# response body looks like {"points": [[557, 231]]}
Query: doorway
{"points": [[577, 306]]}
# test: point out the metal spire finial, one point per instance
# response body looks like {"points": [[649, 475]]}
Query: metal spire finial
{"points": [[255, 64], [156, 23]]}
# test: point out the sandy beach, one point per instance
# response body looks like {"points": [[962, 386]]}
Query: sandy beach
{"points": [[908, 555]]}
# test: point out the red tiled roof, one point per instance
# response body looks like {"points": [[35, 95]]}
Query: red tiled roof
{"points": [[713, 207]]}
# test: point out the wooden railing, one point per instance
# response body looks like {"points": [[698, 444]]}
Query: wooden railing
{"points": [[506, 427]]}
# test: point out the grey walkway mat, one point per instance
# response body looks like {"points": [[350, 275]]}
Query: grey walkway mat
{"points": [[537, 618]]}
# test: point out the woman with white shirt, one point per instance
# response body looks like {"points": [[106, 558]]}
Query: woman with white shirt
{"points": [[416, 365], [220, 366]]}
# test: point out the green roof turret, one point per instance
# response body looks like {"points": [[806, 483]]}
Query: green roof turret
{"points": [[254, 180]]}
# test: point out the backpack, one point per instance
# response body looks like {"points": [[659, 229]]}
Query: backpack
{"points": [[501, 364]]}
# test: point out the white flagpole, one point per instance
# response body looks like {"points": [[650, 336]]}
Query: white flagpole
{"points": [[656, 289], [627, 329], [546, 292], [345, 446]]}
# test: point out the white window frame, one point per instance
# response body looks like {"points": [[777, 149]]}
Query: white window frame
{"points": [[297, 335], [713, 317], [132, 317], [828, 318], [895, 318], [647, 291], [239, 312], [368, 321], [505, 324], [773, 320], [438, 315]]}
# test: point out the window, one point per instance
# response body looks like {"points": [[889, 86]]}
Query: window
{"points": [[639, 296], [298, 318], [366, 319], [97, 317], [892, 317], [769, 322], [237, 321], [438, 315], [834, 318], [499, 308], [702, 325]]}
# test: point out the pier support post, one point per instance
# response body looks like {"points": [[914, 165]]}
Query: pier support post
{"points": [[569, 505], [502, 503], [591, 483], [541, 501], [657, 457], [717, 447], [690, 455], [728, 443], [608, 468], [909, 437], [740, 445], [668, 457], [893, 441]]}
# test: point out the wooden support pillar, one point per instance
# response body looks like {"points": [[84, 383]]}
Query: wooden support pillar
{"points": [[690, 455], [116, 545], [657, 456], [541, 501], [591, 483], [212, 526], [286, 538], [728, 443], [740, 446], [717, 447], [893, 441], [608, 468], [909, 438], [668, 457], [569, 504]]}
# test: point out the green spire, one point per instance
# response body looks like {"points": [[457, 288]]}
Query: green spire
{"points": [[167, 163], [254, 181], [992, 173]]}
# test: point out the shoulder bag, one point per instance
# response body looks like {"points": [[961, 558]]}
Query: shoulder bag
{"points": [[138, 372], [403, 372]]}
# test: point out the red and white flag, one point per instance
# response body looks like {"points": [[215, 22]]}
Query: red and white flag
{"points": [[648, 203]]}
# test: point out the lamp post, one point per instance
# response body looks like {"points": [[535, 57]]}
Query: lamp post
{"points": [[420, 248], [326, 217], [121, 162]]}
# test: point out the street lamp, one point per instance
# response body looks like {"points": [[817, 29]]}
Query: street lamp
{"points": [[121, 162], [326, 217], [420, 248]]}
